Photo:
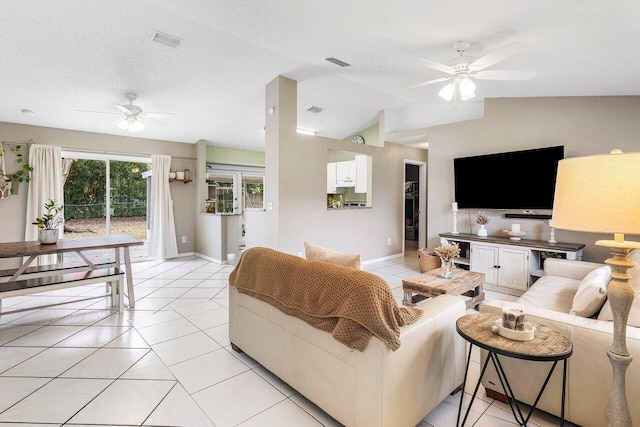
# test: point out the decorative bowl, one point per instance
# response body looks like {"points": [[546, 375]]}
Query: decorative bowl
{"points": [[515, 235], [527, 335]]}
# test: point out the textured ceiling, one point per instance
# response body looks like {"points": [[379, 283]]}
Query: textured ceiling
{"points": [[62, 56]]}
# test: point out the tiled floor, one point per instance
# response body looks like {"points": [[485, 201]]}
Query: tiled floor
{"points": [[166, 363]]}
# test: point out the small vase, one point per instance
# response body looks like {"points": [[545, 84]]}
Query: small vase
{"points": [[446, 268], [48, 236], [482, 231]]}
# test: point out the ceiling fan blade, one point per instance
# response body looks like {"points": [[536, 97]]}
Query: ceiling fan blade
{"points": [[155, 114], [144, 118], [504, 75], [99, 112], [123, 108], [496, 56], [442, 79], [436, 66]]}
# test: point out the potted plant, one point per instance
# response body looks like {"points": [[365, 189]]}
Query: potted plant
{"points": [[49, 222], [447, 251], [482, 219]]}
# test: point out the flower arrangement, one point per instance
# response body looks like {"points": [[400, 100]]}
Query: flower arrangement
{"points": [[447, 251], [482, 218], [53, 218]]}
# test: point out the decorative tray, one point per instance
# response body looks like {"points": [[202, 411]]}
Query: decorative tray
{"points": [[515, 235], [527, 335]]}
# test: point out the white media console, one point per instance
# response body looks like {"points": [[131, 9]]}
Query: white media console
{"points": [[510, 266]]}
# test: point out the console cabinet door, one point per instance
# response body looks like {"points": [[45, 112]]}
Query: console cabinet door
{"points": [[514, 268], [484, 259]]}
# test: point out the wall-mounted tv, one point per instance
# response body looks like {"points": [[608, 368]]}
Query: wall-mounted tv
{"points": [[523, 179]]}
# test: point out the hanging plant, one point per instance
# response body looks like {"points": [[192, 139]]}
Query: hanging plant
{"points": [[22, 174]]}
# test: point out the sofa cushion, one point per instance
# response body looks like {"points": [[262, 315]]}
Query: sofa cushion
{"points": [[592, 292], [634, 314], [552, 293], [318, 253]]}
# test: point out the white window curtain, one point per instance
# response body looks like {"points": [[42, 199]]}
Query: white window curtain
{"points": [[162, 236], [46, 183]]}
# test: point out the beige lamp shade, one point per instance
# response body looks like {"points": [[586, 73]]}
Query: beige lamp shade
{"points": [[599, 194]]}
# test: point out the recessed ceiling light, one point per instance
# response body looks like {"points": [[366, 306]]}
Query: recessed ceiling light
{"points": [[315, 109], [166, 39], [337, 62], [27, 112]]}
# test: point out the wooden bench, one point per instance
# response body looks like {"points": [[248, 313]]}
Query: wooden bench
{"points": [[50, 282], [66, 267]]}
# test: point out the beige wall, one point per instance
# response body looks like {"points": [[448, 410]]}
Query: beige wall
{"points": [[296, 174], [584, 125], [12, 210]]}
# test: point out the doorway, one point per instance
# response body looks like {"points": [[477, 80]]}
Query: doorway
{"points": [[414, 217], [105, 196]]}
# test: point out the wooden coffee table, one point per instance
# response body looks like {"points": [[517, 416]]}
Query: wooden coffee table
{"points": [[430, 284]]}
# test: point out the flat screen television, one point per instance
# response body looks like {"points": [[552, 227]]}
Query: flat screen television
{"points": [[523, 179]]}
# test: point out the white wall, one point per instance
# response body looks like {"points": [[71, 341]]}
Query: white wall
{"points": [[296, 171], [584, 125]]}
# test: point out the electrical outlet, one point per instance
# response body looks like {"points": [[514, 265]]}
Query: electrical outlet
{"points": [[300, 254], [184, 239], [389, 241]]}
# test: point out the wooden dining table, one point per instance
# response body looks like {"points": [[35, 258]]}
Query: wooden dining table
{"points": [[32, 249]]}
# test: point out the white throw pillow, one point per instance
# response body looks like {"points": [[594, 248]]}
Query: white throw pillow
{"points": [[591, 293], [634, 314], [318, 253]]}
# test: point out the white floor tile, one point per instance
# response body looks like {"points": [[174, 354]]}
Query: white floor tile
{"points": [[42, 317], [130, 339], [56, 401], [183, 348], [184, 283], [12, 390], [210, 319], [178, 409], [214, 283], [49, 363], [155, 334], [206, 370], [93, 336], [167, 292], [215, 400], [126, 402], [198, 308], [220, 334], [184, 302], [11, 356], [243, 357], [201, 293], [314, 410], [446, 414], [83, 317], [141, 321], [150, 367], [46, 336], [496, 417], [283, 414], [283, 387], [11, 332], [149, 303], [106, 363], [197, 275]]}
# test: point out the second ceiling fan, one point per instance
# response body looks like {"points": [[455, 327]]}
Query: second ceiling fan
{"points": [[462, 69]]}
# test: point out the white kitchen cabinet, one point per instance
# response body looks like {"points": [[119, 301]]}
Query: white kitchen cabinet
{"points": [[346, 174], [362, 176], [504, 267], [331, 178]]}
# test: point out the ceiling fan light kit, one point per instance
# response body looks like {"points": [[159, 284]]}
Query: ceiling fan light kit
{"points": [[131, 124], [462, 69]]}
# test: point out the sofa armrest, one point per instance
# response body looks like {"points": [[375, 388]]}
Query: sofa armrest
{"points": [[568, 268]]}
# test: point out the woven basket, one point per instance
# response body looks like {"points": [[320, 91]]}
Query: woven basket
{"points": [[427, 261]]}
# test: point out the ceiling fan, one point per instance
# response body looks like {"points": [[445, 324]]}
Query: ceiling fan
{"points": [[462, 69], [132, 117]]}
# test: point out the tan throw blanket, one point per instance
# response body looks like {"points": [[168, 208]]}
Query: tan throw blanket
{"points": [[351, 304]]}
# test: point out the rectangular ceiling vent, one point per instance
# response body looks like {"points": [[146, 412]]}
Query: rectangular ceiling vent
{"points": [[166, 39], [337, 62], [315, 110]]}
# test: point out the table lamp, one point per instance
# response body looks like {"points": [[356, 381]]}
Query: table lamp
{"points": [[601, 194]]}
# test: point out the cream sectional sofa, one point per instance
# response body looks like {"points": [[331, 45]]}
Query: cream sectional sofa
{"points": [[589, 378], [372, 388]]}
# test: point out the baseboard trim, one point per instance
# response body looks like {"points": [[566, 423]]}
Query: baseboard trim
{"points": [[384, 258], [208, 258]]}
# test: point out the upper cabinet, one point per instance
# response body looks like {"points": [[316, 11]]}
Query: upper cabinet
{"points": [[348, 179], [331, 178], [362, 173], [346, 174]]}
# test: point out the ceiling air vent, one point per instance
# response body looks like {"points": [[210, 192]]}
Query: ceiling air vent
{"points": [[166, 39], [315, 109], [337, 62]]}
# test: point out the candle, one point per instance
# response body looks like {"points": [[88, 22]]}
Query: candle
{"points": [[454, 206], [513, 318], [515, 228]]}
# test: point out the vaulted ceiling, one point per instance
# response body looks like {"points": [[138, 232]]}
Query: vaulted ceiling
{"points": [[61, 56]]}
